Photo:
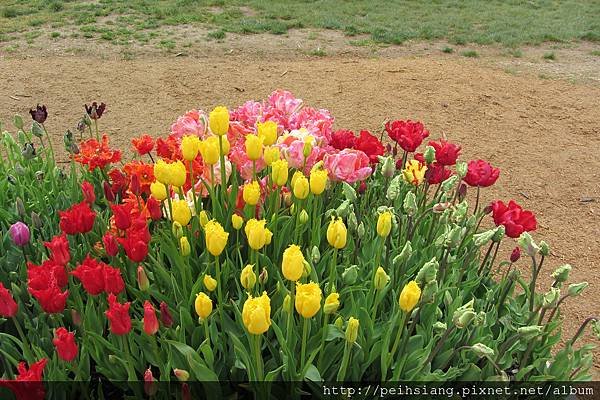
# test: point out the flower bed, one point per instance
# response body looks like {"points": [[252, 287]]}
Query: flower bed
{"points": [[260, 244]]}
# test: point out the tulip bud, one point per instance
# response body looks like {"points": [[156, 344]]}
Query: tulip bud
{"points": [[360, 231], [209, 282], [18, 121], [248, 277], [307, 149], [20, 207], [410, 204], [39, 175], [108, 193], [429, 155], [287, 303], [142, 279], [306, 269], [339, 322], [515, 255], [350, 275], [464, 315], [428, 271], [575, 289], [429, 292], [332, 303], [203, 217], [482, 238], [184, 246], [551, 298], [409, 296], [352, 222], [237, 221], [384, 224], [343, 209], [19, 233], [461, 169], [499, 234], [150, 386], [481, 350], [28, 151], [352, 330], [387, 167], [315, 255], [381, 279], [349, 192], [263, 277], [177, 230], [303, 217], [165, 315], [561, 274], [134, 185], [449, 183], [528, 245], [181, 374], [530, 332], [544, 248], [404, 255], [75, 317], [439, 327]]}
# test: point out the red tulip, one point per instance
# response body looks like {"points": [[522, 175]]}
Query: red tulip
{"points": [[513, 217], [111, 246], [143, 145], [90, 274], [135, 248], [48, 273], [150, 320], [51, 299], [446, 153], [408, 134], [77, 219], [342, 139], [64, 342], [8, 306], [59, 249], [108, 193], [113, 281], [88, 192], [119, 182], [165, 315], [134, 185], [481, 173], [515, 255], [28, 384], [118, 316], [153, 207], [369, 145], [185, 391], [122, 215], [436, 173], [150, 386]]}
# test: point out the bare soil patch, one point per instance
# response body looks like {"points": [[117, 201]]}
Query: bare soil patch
{"points": [[543, 133]]}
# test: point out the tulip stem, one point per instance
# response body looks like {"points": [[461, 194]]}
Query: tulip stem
{"points": [[222, 168], [169, 202], [25, 342], [402, 325], [258, 358], [342, 372], [322, 347], [49, 141], [290, 320], [206, 330], [219, 292], [303, 349], [477, 201], [332, 270], [192, 186]]}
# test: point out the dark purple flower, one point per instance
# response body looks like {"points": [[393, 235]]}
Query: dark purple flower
{"points": [[39, 114], [95, 111]]}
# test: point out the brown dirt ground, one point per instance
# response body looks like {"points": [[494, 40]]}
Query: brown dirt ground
{"points": [[543, 133]]}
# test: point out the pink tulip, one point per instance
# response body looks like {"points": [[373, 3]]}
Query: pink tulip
{"points": [[348, 165]]}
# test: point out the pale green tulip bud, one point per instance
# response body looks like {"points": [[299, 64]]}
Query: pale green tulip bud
{"points": [[388, 167], [381, 279], [410, 204], [343, 209], [449, 183], [350, 275], [18, 121], [460, 212], [428, 271], [393, 190], [463, 316], [482, 238], [404, 255], [352, 222], [429, 292], [303, 217], [287, 303], [177, 230], [360, 231], [481, 350], [315, 255], [499, 234], [339, 322], [561, 274], [36, 129], [528, 245], [429, 154], [439, 327], [530, 332], [307, 269], [551, 298], [575, 289], [461, 169], [544, 248]]}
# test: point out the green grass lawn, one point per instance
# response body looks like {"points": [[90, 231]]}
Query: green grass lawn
{"points": [[509, 22]]}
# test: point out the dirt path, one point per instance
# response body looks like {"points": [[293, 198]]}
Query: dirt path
{"points": [[543, 134]]}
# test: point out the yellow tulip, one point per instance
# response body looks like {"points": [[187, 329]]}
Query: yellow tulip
{"points": [[218, 120], [352, 330], [381, 279], [209, 150], [184, 246], [248, 277], [177, 229], [251, 193], [268, 236], [203, 305], [336, 233], [203, 217], [178, 173], [215, 237], [308, 299], [332, 303], [189, 147], [384, 224], [318, 181], [301, 187], [414, 172], [295, 177], [256, 233], [181, 212], [210, 283], [256, 314], [271, 154], [226, 146], [162, 173], [292, 264], [158, 190], [254, 147], [279, 172], [409, 297], [268, 131], [237, 221]]}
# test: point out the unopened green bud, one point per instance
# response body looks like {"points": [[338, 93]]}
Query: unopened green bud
{"points": [[315, 255], [428, 271], [381, 279], [393, 190], [410, 204], [343, 209], [544, 248], [352, 330], [303, 217], [479, 318], [455, 236], [352, 222], [39, 175], [551, 298], [439, 327], [461, 169], [287, 303], [307, 269], [263, 277], [360, 231], [350, 275], [403, 256], [575, 289], [177, 230], [528, 245], [339, 322], [429, 154], [530, 332], [481, 350], [482, 238], [20, 207], [463, 316], [561, 274], [18, 121], [460, 212], [388, 167], [429, 292], [36, 129], [499, 234], [449, 183], [36, 221]]}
